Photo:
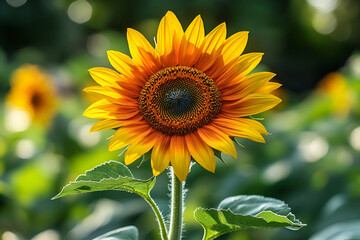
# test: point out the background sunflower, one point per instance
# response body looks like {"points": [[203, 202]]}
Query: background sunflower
{"points": [[33, 92], [310, 159]]}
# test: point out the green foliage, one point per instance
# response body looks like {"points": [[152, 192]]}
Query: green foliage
{"points": [[125, 233], [245, 212], [114, 176], [343, 230], [108, 176]]}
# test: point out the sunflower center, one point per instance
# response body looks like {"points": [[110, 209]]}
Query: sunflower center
{"points": [[36, 100], [178, 100]]}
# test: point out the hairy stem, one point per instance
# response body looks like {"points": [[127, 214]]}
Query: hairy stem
{"points": [[159, 217], [176, 208]]}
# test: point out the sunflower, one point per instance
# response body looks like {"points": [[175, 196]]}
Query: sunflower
{"points": [[32, 91], [335, 87], [182, 99]]}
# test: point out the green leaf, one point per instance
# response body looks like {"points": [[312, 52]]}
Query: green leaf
{"points": [[342, 230], [108, 176], [125, 233], [245, 212]]}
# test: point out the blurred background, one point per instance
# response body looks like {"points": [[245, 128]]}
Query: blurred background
{"points": [[311, 159]]}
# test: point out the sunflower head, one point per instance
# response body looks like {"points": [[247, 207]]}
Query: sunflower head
{"points": [[32, 91], [335, 87], [182, 99]]}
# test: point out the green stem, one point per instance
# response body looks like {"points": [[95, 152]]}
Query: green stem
{"points": [[176, 208], [159, 217]]}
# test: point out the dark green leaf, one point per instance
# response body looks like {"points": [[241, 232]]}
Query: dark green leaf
{"points": [[245, 212], [254, 204]]}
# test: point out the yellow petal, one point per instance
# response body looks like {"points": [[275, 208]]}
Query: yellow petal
{"points": [[254, 81], [130, 90], [244, 122], [269, 87], [105, 109], [234, 46], [243, 86], [160, 156], [180, 157], [246, 64], [234, 129], [217, 139], [100, 110], [105, 91], [191, 42], [230, 54], [200, 151], [137, 149], [125, 65], [142, 52], [106, 124], [169, 35], [251, 104], [137, 41], [128, 135], [211, 47], [105, 76], [251, 123]]}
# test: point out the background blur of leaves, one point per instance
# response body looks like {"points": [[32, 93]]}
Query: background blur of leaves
{"points": [[311, 159]]}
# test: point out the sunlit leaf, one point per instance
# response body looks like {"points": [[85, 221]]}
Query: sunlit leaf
{"points": [[108, 176], [245, 212], [125, 233]]}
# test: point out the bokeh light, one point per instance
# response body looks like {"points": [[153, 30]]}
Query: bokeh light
{"points": [[324, 5], [324, 23], [47, 235], [312, 146], [97, 44], [25, 149], [9, 236], [80, 11], [16, 3], [355, 138], [277, 171], [17, 120]]}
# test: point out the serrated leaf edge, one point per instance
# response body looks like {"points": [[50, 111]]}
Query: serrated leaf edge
{"points": [[244, 215], [300, 223], [102, 164], [104, 179], [239, 214]]}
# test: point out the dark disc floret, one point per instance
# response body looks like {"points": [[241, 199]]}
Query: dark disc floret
{"points": [[178, 100]]}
